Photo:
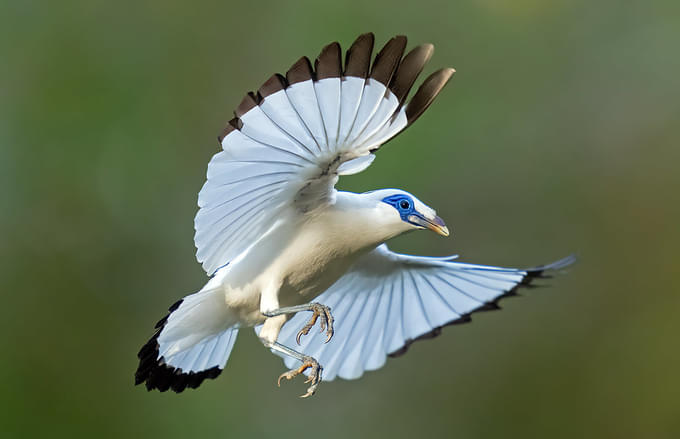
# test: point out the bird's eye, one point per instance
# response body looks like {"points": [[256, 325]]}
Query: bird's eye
{"points": [[404, 204]]}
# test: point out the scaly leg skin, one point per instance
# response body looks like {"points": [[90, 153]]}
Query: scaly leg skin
{"points": [[320, 312], [307, 363]]}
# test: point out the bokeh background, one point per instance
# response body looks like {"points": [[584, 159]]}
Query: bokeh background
{"points": [[559, 133]]}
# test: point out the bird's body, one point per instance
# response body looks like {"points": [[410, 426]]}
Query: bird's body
{"points": [[301, 256], [275, 235], [316, 254]]}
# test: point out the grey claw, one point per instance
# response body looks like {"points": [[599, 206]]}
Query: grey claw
{"points": [[314, 375], [323, 314]]}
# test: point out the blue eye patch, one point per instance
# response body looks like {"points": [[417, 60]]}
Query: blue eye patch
{"points": [[403, 203]]}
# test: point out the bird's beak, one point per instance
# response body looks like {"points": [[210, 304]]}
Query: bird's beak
{"points": [[435, 224]]}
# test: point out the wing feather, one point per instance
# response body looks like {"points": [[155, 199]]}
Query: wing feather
{"points": [[387, 60], [302, 95], [388, 300], [328, 67], [370, 353], [409, 69], [277, 106], [427, 92], [291, 140]]}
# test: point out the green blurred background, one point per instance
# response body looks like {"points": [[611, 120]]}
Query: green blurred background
{"points": [[559, 133]]}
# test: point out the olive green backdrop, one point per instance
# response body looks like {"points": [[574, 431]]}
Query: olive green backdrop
{"points": [[559, 133]]}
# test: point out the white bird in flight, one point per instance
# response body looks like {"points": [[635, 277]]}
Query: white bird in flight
{"points": [[278, 239]]}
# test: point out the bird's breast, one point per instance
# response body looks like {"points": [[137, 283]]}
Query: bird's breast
{"points": [[314, 261], [303, 259]]}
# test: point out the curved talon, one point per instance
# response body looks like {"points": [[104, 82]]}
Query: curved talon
{"points": [[329, 322], [310, 391], [323, 314], [314, 376]]}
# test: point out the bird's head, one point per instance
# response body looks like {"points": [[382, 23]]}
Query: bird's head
{"points": [[406, 212]]}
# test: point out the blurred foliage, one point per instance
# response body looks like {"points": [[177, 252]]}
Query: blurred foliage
{"points": [[559, 133]]}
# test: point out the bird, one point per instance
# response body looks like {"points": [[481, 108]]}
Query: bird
{"points": [[285, 250]]}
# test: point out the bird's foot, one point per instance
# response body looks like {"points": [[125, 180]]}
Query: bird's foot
{"points": [[314, 375], [323, 314]]}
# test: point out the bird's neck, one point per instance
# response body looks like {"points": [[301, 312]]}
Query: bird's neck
{"points": [[361, 221]]}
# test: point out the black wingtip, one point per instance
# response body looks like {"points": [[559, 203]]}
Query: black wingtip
{"points": [[358, 57], [526, 282], [153, 370], [427, 92], [409, 69], [329, 62], [540, 271], [300, 71], [390, 67], [387, 60], [274, 84]]}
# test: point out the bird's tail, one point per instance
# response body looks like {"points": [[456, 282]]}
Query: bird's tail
{"points": [[191, 343]]}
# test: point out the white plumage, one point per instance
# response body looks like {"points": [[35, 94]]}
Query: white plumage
{"points": [[275, 235]]}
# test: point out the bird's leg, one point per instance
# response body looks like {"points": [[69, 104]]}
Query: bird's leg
{"points": [[307, 363], [320, 312]]}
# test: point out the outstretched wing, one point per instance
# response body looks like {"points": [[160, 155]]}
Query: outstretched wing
{"points": [[289, 142], [389, 300]]}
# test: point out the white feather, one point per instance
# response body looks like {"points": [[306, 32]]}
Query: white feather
{"points": [[374, 92], [287, 152], [352, 89], [200, 333], [279, 109], [387, 300], [303, 97], [328, 96]]}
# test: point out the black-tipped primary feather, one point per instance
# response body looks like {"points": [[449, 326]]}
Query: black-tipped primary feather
{"points": [[526, 282], [157, 374], [275, 83], [409, 69], [358, 58], [234, 124], [300, 71], [387, 60], [248, 102], [426, 93], [225, 131], [329, 62]]}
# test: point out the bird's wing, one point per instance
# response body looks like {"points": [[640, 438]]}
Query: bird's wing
{"points": [[389, 300], [291, 139]]}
